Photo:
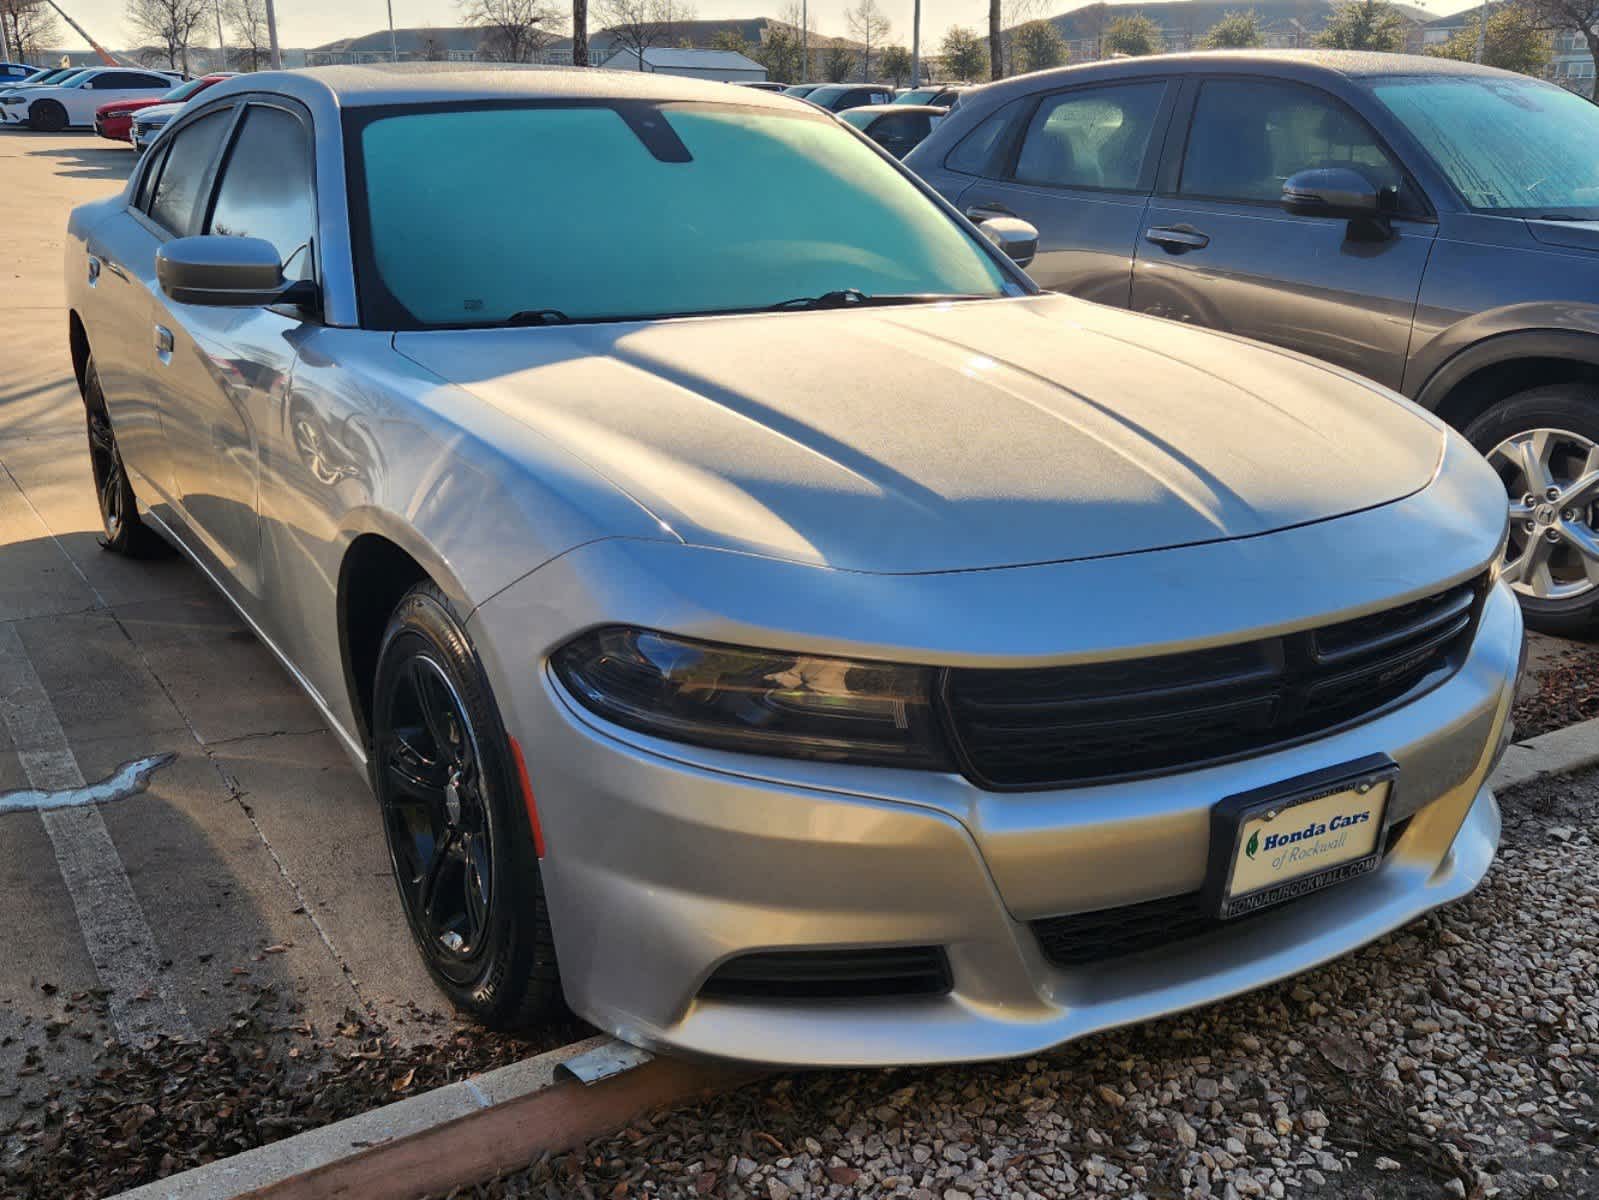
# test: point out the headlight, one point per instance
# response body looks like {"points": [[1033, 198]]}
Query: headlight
{"points": [[758, 701]]}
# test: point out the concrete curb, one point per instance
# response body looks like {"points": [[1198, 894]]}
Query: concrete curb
{"points": [[1558, 752], [456, 1135]]}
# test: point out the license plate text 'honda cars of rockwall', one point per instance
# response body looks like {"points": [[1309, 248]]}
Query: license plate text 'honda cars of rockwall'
{"points": [[762, 616]]}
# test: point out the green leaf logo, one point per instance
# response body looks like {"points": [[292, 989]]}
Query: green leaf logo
{"points": [[1254, 844]]}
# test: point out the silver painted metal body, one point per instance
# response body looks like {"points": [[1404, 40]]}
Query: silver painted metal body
{"points": [[1010, 482]]}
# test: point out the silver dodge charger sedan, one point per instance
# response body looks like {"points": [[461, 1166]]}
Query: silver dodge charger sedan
{"points": [[761, 615]]}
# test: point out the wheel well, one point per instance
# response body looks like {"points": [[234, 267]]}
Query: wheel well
{"points": [[78, 339], [1486, 386], [374, 575]]}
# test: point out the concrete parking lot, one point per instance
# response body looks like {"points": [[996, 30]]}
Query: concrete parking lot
{"points": [[254, 859]]}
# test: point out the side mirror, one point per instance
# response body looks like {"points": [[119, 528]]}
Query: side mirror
{"points": [[1337, 192], [1017, 239], [227, 272]]}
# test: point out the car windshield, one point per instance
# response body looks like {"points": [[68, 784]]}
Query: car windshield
{"points": [[800, 89], [828, 93], [859, 117], [531, 215], [72, 78], [183, 91], [1517, 147], [919, 96]]}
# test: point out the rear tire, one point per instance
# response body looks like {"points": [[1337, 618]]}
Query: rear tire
{"points": [[46, 116], [1543, 442], [459, 835], [122, 530]]}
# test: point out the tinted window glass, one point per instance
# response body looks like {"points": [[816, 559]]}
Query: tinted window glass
{"points": [[1095, 138], [178, 191], [748, 208], [126, 81], [147, 182], [1248, 138], [1508, 145], [977, 151], [266, 189]]}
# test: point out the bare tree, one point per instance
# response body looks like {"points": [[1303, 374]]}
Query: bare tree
{"points": [[513, 30], [433, 47], [31, 28], [869, 25], [168, 27], [1564, 16], [636, 25], [247, 30], [580, 33]]}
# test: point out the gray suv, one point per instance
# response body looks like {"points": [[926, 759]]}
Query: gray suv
{"points": [[1429, 224]]}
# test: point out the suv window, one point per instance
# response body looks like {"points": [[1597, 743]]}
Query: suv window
{"points": [[977, 152], [122, 81], [177, 192], [1249, 136], [266, 189], [1094, 137]]}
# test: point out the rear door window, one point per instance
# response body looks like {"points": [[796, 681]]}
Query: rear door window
{"points": [[178, 192], [1091, 137]]}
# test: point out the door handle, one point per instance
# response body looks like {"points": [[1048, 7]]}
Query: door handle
{"points": [[163, 342], [114, 267], [978, 213], [1177, 238]]}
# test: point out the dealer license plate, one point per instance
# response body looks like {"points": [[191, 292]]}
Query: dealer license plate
{"points": [[1300, 836]]}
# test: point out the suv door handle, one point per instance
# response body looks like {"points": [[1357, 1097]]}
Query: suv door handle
{"points": [[163, 342], [978, 213], [1176, 238]]}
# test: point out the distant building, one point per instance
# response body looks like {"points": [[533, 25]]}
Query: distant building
{"points": [[446, 43], [726, 66]]}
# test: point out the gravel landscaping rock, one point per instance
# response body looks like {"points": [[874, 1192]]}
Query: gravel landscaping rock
{"points": [[1457, 1057], [1565, 690]]}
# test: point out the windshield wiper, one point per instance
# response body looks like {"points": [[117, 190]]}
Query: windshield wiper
{"points": [[855, 298], [538, 316]]}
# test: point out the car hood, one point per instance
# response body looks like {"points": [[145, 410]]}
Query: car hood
{"points": [[159, 112], [949, 437]]}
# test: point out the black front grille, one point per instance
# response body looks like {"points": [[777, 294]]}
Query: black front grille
{"points": [[1048, 726], [1084, 939], [832, 974]]}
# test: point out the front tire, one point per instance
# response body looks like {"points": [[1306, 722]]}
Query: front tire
{"points": [[1544, 444], [46, 116], [458, 830], [122, 530]]}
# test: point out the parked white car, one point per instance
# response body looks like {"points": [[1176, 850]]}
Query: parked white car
{"points": [[74, 101]]}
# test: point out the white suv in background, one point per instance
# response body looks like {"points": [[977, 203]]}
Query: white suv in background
{"points": [[73, 103]]}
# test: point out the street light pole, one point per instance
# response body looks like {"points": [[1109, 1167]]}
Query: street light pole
{"points": [[272, 36], [1482, 31], [916, 45], [5, 39], [222, 49], [805, 42], [394, 45]]}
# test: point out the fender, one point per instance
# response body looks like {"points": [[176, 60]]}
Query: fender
{"points": [[1572, 345]]}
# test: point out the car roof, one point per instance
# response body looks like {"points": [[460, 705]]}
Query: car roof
{"points": [[385, 84], [1350, 64]]}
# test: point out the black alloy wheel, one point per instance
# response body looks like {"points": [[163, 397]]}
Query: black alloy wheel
{"points": [[46, 116], [458, 831], [124, 532]]}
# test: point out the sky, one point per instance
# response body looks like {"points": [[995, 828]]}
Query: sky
{"points": [[313, 22]]}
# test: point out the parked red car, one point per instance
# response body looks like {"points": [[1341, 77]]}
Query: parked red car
{"points": [[115, 120]]}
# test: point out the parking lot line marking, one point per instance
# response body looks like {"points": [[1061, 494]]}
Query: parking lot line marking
{"points": [[114, 928]]}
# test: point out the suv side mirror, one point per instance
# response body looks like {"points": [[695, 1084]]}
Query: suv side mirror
{"points": [[1016, 239], [1337, 192], [227, 272]]}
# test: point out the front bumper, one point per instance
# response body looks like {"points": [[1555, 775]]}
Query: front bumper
{"points": [[666, 861]]}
